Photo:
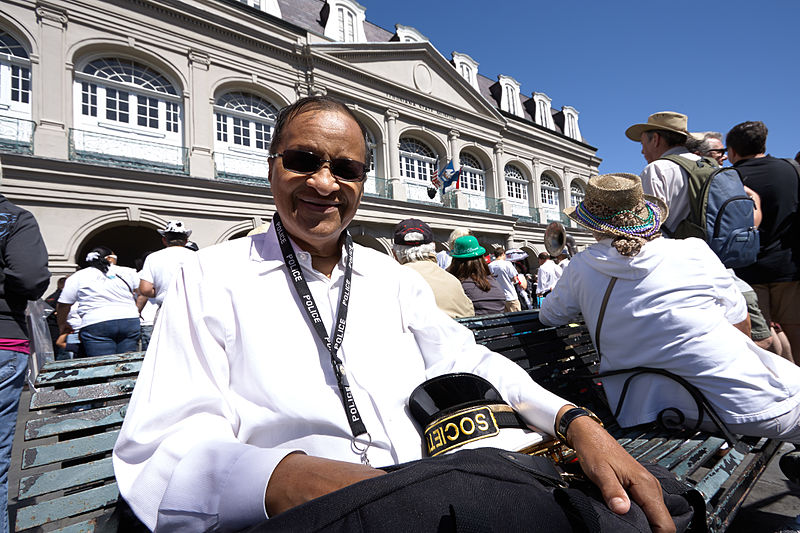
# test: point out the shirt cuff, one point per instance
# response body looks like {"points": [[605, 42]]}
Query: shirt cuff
{"points": [[242, 497]]}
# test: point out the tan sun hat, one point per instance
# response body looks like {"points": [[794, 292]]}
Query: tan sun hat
{"points": [[615, 204], [664, 120]]}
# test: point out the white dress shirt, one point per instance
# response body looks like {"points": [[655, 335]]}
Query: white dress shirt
{"points": [[667, 181], [673, 307], [235, 379], [547, 277]]}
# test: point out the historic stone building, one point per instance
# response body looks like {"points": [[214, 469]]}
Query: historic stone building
{"points": [[118, 116]]}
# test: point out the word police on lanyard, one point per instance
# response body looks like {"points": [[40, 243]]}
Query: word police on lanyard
{"points": [[301, 287]]}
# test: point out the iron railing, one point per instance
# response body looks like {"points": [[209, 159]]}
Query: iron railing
{"points": [[525, 212], [126, 152], [16, 135]]}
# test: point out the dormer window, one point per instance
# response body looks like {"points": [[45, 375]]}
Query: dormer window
{"points": [[407, 34], [345, 21], [509, 95], [544, 116], [571, 123], [467, 67]]}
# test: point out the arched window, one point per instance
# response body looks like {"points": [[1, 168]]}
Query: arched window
{"points": [[244, 122], [516, 184], [347, 25], [576, 194], [473, 177], [128, 110], [549, 192], [417, 161], [244, 125], [15, 79], [122, 92]]}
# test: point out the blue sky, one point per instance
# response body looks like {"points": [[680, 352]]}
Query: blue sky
{"points": [[616, 62]]}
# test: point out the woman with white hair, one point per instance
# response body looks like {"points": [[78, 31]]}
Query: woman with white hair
{"points": [[669, 304], [104, 294]]}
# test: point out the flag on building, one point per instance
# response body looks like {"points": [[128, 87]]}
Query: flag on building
{"points": [[453, 178], [446, 177]]}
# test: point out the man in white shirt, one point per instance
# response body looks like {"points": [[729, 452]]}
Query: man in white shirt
{"points": [[547, 276], [160, 267], [665, 134], [245, 408], [507, 277]]}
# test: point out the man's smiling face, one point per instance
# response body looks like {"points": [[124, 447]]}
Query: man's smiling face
{"points": [[316, 208]]}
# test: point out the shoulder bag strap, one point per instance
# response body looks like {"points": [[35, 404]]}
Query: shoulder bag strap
{"points": [[602, 313]]}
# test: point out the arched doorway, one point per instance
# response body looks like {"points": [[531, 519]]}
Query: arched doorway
{"points": [[128, 242]]}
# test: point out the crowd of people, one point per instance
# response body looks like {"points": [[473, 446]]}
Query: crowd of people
{"points": [[243, 412]]}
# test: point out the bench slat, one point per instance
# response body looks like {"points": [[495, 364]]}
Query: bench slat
{"points": [[65, 478], [86, 393], [662, 449], [70, 449], [84, 362], [89, 526], [58, 424], [93, 372], [720, 473], [74, 504], [696, 459]]}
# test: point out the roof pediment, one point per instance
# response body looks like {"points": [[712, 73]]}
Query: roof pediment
{"points": [[416, 67]]}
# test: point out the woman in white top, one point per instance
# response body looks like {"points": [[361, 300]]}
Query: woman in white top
{"points": [[106, 304], [674, 307]]}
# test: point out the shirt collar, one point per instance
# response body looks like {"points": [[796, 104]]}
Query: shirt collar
{"points": [[264, 248]]}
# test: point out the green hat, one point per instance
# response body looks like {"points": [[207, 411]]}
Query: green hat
{"points": [[467, 247]]}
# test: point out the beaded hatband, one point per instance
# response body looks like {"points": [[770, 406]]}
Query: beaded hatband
{"points": [[648, 226]]}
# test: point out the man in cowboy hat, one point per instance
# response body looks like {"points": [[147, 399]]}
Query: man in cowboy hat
{"points": [[664, 134], [676, 308]]}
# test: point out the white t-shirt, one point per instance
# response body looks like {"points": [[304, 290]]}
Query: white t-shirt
{"points": [[547, 276], [506, 273], [160, 268], [101, 297]]}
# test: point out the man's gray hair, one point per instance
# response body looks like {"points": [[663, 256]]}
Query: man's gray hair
{"points": [[455, 234], [409, 254], [702, 147]]}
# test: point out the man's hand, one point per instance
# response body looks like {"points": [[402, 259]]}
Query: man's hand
{"points": [[614, 471], [299, 478]]}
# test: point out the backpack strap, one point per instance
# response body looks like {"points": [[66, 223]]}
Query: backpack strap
{"points": [[696, 184], [602, 313]]}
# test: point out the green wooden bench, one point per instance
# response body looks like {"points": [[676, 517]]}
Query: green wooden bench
{"points": [[563, 360], [66, 480]]}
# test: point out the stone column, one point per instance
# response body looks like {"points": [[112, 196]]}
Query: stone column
{"points": [[51, 82], [501, 191], [567, 179], [536, 190], [199, 124], [393, 141], [452, 138]]}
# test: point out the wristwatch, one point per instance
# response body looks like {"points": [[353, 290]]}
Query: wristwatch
{"points": [[567, 419]]}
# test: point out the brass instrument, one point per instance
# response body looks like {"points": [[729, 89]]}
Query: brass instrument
{"points": [[556, 239]]}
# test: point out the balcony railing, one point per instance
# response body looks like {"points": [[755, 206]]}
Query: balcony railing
{"points": [[126, 152], [417, 192], [16, 135], [240, 169], [525, 212], [378, 187]]}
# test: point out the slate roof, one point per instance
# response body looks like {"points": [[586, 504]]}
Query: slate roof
{"points": [[306, 15]]}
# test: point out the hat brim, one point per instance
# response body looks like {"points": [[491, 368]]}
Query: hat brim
{"points": [[634, 133], [163, 233], [658, 202]]}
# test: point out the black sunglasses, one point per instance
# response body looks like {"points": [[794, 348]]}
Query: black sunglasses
{"points": [[720, 150], [302, 162]]}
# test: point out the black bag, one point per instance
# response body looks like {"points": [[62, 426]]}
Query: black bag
{"points": [[479, 490]]}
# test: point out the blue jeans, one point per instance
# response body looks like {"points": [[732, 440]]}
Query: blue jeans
{"points": [[111, 336], [13, 366], [147, 332]]}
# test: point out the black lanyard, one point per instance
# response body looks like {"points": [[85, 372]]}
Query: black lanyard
{"points": [[301, 287]]}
